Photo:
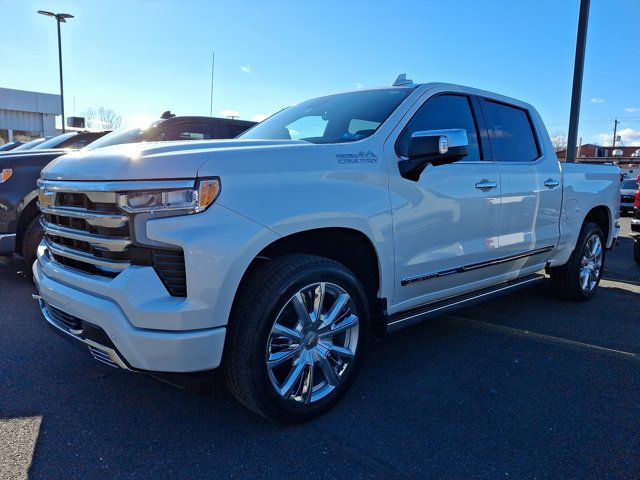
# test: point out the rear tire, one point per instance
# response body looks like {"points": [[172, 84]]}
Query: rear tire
{"points": [[284, 361], [636, 250], [579, 278], [31, 238]]}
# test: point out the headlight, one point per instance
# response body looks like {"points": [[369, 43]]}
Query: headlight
{"points": [[188, 200]]}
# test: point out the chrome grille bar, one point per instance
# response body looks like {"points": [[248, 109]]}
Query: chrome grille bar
{"points": [[109, 220], [113, 244], [73, 254]]}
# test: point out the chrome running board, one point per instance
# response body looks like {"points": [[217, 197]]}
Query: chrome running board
{"points": [[419, 314]]}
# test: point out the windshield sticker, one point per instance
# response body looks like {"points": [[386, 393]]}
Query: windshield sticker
{"points": [[360, 157]]}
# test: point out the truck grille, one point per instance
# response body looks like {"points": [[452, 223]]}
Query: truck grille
{"points": [[87, 231]]}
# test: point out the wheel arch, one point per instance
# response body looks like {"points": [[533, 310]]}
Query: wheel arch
{"points": [[601, 216], [348, 246], [27, 210]]}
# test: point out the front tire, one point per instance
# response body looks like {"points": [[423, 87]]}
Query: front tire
{"points": [[579, 278], [31, 238], [296, 337], [636, 250]]}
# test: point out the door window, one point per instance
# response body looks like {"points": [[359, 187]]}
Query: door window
{"points": [[510, 132], [442, 112]]}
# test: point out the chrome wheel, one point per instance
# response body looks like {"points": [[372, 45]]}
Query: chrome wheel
{"points": [[312, 342], [591, 264]]}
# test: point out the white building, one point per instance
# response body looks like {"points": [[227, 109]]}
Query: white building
{"points": [[27, 114]]}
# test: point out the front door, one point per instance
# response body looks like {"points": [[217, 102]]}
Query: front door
{"points": [[448, 219]]}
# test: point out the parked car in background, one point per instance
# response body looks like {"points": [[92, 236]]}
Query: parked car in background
{"points": [[274, 255], [628, 190], [20, 230], [177, 128], [30, 144], [65, 141], [10, 146]]}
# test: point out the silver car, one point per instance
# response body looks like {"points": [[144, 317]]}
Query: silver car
{"points": [[628, 190]]}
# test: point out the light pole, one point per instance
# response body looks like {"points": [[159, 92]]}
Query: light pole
{"points": [[578, 70], [60, 17]]}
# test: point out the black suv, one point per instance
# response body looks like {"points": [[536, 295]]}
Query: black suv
{"points": [[20, 230]]}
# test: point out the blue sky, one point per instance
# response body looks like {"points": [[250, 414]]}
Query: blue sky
{"points": [[141, 57]]}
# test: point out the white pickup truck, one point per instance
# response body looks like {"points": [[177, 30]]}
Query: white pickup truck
{"points": [[275, 255]]}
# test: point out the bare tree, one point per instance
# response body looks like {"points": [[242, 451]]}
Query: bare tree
{"points": [[559, 141], [102, 117]]}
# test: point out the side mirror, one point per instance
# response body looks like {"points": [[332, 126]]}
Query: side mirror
{"points": [[435, 147]]}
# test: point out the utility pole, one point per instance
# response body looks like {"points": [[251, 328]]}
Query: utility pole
{"points": [[615, 131], [578, 70], [213, 61]]}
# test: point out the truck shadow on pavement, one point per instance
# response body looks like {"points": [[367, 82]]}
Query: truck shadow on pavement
{"points": [[439, 399]]}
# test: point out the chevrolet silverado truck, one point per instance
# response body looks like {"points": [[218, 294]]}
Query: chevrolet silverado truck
{"points": [[276, 255], [20, 230]]}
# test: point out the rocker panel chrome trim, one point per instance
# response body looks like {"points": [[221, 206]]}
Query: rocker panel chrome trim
{"points": [[474, 266]]}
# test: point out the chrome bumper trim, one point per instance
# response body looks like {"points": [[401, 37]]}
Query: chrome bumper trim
{"points": [[105, 351]]}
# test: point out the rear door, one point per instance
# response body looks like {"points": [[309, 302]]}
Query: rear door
{"points": [[531, 196], [448, 220]]}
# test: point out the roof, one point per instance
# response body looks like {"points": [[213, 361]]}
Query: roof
{"points": [[26, 101]]}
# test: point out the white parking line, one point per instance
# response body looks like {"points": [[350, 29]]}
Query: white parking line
{"points": [[457, 320]]}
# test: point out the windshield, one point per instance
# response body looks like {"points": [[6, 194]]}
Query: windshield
{"points": [[630, 185], [30, 145], [126, 135], [55, 141], [345, 117]]}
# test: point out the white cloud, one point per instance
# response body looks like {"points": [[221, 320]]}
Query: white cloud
{"points": [[597, 100], [230, 113], [632, 109], [246, 68], [628, 136], [258, 117], [358, 86]]}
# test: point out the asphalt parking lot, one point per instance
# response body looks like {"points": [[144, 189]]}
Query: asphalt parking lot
{"points": [[525, 386]]}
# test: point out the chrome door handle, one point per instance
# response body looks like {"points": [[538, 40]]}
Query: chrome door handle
{"points": [[486, 185], [551, 183]]}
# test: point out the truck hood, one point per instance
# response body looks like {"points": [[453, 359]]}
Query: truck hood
{"points": [[140, 161]]}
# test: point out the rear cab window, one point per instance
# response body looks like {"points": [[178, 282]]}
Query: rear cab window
{"points": [[188, 131], [510, 132]]}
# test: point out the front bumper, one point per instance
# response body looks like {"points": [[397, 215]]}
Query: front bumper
{"points": [[125, 345], [150, 329]]}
